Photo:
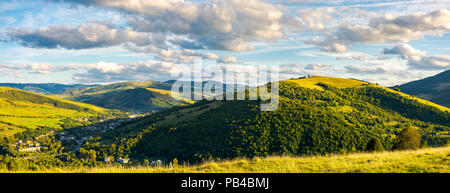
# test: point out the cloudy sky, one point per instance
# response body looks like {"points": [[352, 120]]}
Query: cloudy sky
{"points": [[99, 41]]}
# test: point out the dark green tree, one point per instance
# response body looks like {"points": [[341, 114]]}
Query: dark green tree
{"points": [[408, 138], [374, 145]]}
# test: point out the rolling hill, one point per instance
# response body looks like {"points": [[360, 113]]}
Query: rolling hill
{"points": [[139, 97], [435, 88], [21, 111], [317, 115], [139, 100]]}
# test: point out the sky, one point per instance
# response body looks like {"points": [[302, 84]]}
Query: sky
{"points": [[104, 41]]}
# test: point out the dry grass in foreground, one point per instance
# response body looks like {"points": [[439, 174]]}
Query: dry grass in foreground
{"points": [[432, 160]]}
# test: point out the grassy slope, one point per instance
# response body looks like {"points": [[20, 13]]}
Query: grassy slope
{"points": [[18, 113], [111, 88], [337, 82], [350, 83], [434, 160], [140, 100]]}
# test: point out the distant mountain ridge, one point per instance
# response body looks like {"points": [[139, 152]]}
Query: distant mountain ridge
{"points": [[435, 88], [139, 97], [45, 88]]}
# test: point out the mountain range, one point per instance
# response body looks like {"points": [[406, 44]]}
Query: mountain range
{"points": [[138, 97], [435, 88], [152, 96], [317, 115], [45, 88]]}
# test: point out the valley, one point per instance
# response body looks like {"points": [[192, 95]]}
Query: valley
{"points": [[22, 110], [317, 116]]}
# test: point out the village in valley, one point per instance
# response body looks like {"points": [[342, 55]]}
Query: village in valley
{"points": [[73, 139]]}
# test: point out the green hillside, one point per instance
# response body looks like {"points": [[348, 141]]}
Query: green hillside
{"points": [[23, 111], [116, 87], [317, 115], [140, 100], [435, 88], [139, 97]]}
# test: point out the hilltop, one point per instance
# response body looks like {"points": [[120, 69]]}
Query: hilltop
{"points": [[317, 115], [25, 111], [435, 88]]}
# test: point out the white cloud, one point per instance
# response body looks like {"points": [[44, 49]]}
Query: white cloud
{"points": [[434, 62], [356, 56], [5, 72], [405, 51], [90, 35], [316, 19], [357, 69], [418, 59], [227, 59], [34, 68], [217, 25], [386, 29], [292, 69], [112, 72], [100, 71], [317, 66]]}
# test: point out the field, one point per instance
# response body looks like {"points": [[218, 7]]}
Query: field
{"points": [[20, 110], [312, 82], [432, 160]]}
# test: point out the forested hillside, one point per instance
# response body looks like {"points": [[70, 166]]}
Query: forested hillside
{"points": [[138, 97], [317, 115], [26, 112]]}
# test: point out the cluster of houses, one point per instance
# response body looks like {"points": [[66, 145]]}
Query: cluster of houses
{"points": [[85, 119], [127, 160], [103, 127], [119, 160], [133, 116], [84, 133], [28, 146]]}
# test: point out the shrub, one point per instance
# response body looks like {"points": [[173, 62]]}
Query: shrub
{"points": [[408, 138], [175, 163], [374, 145]]}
